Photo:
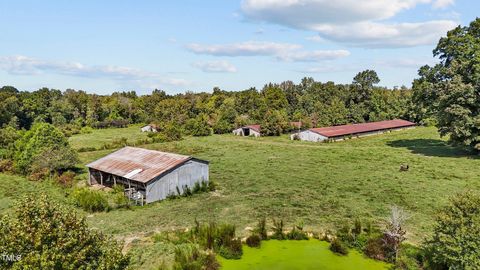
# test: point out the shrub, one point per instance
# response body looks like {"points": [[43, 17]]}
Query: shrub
{"points": [[50, 236], [212, 186], [220, 238], [233, 250], [297, 233], [456, 234], [374, 249], [6, 165], [39, 175], [86, 130], [191, 257], [254, 240], [86, 149], [409, 258], [278, 231], [90, 200], [119, 198], [66, 179], [261, 229], [338, 247]]}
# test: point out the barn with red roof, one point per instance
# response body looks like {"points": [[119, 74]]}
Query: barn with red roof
{"points": [[337, 133]]}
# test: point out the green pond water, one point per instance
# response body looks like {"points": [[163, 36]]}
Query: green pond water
{"points": [[305, 255]]}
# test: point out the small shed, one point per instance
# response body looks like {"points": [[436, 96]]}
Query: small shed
{"points": [[148, 174], [249, 130], [149, 128], [338, 133]]}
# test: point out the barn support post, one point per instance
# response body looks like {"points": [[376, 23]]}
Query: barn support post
{"points": [[101, 178], [89, 178]]}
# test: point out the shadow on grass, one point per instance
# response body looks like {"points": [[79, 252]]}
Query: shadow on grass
{"points": [[432, 147]]}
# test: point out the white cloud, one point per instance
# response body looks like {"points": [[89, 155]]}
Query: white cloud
{"points": [[280, 51], [216, 66], [313, 56], [249, 48], [440, 4], [371, 34], [315, 38], [23, 65], [360, 23]]}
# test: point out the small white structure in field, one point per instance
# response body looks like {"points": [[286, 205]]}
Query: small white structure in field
{"points": [[149, 128], [338, 133], [250, 130], [148, 175]]}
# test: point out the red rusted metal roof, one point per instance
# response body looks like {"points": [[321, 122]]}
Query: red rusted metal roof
{"points": [[254, 127], [343, 130], [139, 164]]}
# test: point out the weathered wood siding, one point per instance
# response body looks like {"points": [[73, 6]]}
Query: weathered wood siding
{"points": [[185, 175]]}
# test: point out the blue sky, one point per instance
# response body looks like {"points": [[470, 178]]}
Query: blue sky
{"points": [[105, 46]]}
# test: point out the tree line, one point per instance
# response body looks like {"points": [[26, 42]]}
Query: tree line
{"points": [[311, 102]]}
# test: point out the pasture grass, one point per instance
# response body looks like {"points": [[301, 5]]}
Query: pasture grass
{"points": [[322, 185]]}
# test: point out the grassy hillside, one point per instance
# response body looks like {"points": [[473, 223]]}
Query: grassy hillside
{"points": [[321, 184], [101, 136]]}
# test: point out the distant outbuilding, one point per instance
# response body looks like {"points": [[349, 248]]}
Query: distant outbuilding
{"points": [[249, 130], [338, 133], [148, 175], [149, 128]]}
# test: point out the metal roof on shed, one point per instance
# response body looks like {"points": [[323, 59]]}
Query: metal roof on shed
{"points": [[139, 164], [343, 130], [254, 127]]}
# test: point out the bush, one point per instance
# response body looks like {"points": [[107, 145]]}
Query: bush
{"points": [[86, 130], [49, 236], [254, 240], [409, 258], [374, 249], [232, 251], [39, 175], [338, 247], [261, 229], [456, 234], [6, 165], [212, 186], [191, 257], [66, 179], [119, 198], [220, 238], [278, 231], [90, 200], [86, 149], [297, 233]]}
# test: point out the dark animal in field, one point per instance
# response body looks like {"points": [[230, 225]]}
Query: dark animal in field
{"points": [[404, 167]]}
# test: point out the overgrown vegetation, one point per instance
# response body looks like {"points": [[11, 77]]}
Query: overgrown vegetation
{"points": [[45, 235], [90, 200]]}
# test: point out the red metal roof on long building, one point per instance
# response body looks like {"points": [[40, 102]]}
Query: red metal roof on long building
{"points": [[138, 164], [343, 130]]}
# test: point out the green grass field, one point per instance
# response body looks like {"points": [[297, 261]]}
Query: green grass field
{"points": [[100, 136], [321, 184]]}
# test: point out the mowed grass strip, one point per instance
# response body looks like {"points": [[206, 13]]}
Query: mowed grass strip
{"points": [[321, 184]]}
